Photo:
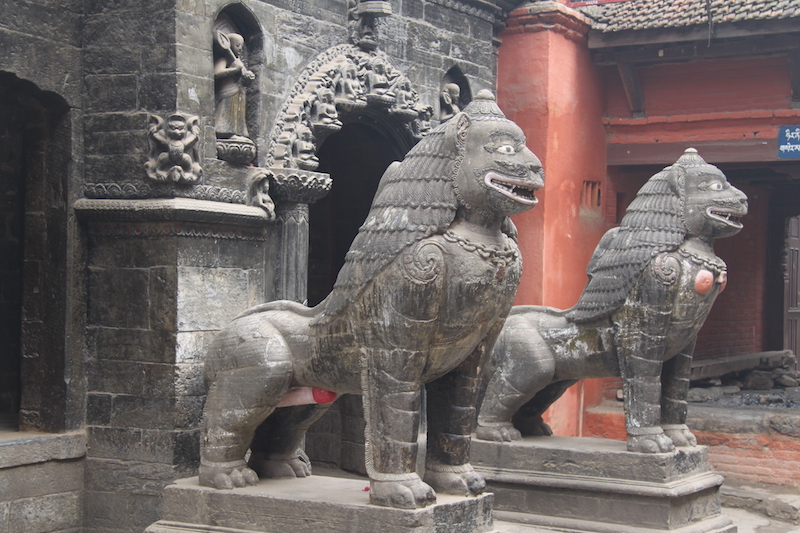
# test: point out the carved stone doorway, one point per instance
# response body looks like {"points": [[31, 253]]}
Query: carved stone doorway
{"points": [[355, 157]]}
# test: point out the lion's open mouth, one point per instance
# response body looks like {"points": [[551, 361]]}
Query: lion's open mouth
{"points": [[728, 216], [521, 190]]}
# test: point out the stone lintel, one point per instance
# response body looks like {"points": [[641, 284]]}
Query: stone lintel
{"points": [[170, 210], [310, 505]]}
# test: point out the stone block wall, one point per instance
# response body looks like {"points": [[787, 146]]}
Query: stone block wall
{"points": [[41, 483], [157, 294]]}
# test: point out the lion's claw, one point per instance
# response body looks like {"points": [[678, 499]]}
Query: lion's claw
{"points": [[280, 467], [226, 478], [680, 435], [653, 443], [406, 494], [460, 480], [505, 432]]}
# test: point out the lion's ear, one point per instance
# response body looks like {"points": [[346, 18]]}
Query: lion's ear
{"points": [[457, 128]]}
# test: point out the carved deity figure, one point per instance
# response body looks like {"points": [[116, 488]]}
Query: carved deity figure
{"points": [[419, 302], [652, 283], [376, 81], [231, 76], [324, 114], [347, 88], [173, 149], [448, 101]]}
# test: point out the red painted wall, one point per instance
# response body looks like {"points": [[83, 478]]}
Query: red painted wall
{"points": [[549, 86]]}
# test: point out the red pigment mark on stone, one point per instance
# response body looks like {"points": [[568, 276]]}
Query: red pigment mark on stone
{"points": [[703, 282], [322, 395]]}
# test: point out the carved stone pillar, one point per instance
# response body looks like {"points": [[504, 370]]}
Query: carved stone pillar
{"points": [[293, 190]]}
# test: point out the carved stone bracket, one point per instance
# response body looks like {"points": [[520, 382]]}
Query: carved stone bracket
{"points": [[173, 149], [344, 79], [298, 186]]}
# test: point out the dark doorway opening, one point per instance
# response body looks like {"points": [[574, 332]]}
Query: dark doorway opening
{"points": [[12, 215], [355, 157]]}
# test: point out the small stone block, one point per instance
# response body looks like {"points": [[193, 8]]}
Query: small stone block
{"points": [[310, 505]]}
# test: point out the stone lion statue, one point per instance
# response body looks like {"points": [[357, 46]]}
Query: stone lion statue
{"points": [[652, 282], [423, 294]]}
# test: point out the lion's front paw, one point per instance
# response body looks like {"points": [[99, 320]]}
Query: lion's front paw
{"points": [[649, 440], [499, 432], [407, 492], [461, 480], [226, 477], [680, 435], [271, 467]]}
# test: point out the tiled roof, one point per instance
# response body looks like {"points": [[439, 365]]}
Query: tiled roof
{"points": [[651, 14]]}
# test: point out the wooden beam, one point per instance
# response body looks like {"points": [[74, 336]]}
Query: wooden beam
{"points": [[714, 152], [698, 32], [633, 89], [699, 50]]}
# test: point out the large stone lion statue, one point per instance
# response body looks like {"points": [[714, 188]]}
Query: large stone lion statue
{"points": [[423, 294], [652, 282]]}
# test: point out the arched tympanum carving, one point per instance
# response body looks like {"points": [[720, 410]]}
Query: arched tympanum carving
{"points": [[344, 80]]}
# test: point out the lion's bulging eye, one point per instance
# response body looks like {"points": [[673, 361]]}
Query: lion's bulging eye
{"points": [[711, 186], [506, 149]]}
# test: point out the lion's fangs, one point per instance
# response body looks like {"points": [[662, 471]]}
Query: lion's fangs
{"points": [[731, 217], [514, 188]]}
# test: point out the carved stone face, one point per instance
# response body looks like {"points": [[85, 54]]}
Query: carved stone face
{"points": [[499, 174], [176, 128], [712, 206]]}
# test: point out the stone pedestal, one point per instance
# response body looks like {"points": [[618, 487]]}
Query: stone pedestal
{"points": [[596, 485], [311, 505]]}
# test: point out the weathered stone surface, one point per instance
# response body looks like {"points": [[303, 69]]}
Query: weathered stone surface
{"points": [[40, 479], [337, 505], [54, 512]]}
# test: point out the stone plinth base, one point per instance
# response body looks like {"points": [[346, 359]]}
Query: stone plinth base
{"points": [[596, 485], [311, 505]]}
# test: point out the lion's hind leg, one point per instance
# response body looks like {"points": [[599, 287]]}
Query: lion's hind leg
{"points": [[674, 390], [276, 447], [524, 365], [249, 371]]}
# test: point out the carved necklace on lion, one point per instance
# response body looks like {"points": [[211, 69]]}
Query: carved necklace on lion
{"points": [[498, 257]]}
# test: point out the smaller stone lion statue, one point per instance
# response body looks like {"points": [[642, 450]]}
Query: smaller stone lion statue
{"points": [[423, 294], [652, 282]]}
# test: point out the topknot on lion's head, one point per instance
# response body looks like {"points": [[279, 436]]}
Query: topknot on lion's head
{"points": [[654, 223], [415, 199]]}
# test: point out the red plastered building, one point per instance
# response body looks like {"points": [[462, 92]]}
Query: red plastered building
{"points": [[608, 93]]}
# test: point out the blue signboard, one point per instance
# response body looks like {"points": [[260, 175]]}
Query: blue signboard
{"points": [[789, 142]]}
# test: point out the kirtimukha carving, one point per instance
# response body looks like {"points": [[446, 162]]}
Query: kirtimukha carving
{"points": [[652, 283], [231, 76], [448, 101], [173, 149], [419, 302]]}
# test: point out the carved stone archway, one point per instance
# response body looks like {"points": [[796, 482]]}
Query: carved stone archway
{"points": [[342, 84]]}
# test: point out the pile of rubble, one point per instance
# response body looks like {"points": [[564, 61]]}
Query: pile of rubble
{"points": [[766, 379]]}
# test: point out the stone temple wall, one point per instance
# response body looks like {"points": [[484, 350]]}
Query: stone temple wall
{"points": [[125, 278]]}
